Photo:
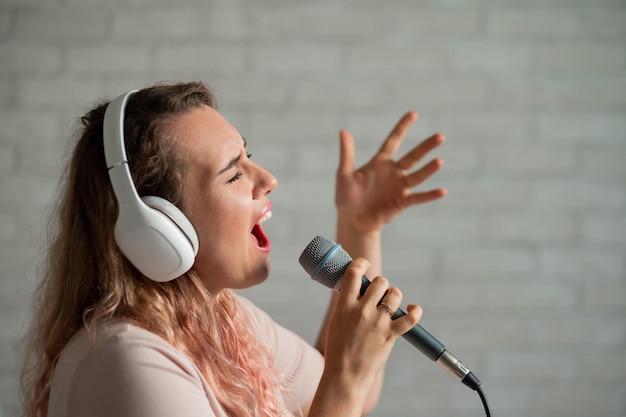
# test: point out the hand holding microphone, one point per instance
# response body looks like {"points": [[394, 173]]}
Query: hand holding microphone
{"points": [[326, 262], [363, 333]]}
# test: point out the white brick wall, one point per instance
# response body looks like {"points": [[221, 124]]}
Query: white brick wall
{"points": [[521, 269]]}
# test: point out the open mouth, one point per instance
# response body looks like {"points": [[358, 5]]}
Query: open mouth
{"points": [[259, 234]]}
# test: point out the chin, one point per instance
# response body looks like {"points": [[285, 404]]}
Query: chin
{"points": [[264, 274], [258, 277]]}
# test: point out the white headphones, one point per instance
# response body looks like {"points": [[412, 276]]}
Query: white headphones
{"points": [[153, 233]]}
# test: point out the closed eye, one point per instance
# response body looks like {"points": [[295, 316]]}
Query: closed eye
{"points": [[235, 177], [233, 163]]}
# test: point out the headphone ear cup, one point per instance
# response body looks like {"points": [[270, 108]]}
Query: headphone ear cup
{"points": [[157, 238], [173, 213]]}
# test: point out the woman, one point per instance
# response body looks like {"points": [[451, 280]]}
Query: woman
{"points": [[109, 341]]}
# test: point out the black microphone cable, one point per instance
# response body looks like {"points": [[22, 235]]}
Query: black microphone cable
{"points": [[481, 393]]}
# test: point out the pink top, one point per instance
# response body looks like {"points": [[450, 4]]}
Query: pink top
{"points": [[133, 372]]}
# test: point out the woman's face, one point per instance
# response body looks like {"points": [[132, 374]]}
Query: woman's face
{"points": [[225, 196]]}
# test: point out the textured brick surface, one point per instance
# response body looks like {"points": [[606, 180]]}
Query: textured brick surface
{"points": [[521, 269]]}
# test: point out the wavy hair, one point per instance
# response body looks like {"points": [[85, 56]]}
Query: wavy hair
{"points": [[87, 281]]}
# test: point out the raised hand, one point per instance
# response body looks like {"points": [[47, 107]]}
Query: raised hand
{"points": [[374, 194]]}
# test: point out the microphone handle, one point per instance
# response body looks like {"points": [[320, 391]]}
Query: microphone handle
{"points": [[417, 336], [433, 348]]}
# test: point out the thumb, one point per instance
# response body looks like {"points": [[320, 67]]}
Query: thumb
{"points": [[346, 153]]}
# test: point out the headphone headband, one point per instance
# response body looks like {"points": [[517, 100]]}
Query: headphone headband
{"points": [[115, 151]]}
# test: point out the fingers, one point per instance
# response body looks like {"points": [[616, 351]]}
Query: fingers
{"points": [[398, 322], [405, 323], [379, 291], [419, 177], [423, 173], [352, 280], [390, 302], [395, 138], [379, 296], [346, 153], [418, 152], [425, 197]]}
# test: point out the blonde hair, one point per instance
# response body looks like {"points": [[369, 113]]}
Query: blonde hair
{"points": [[87, 281]]}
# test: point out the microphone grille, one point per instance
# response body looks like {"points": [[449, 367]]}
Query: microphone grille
{"points": [[330, 270]]}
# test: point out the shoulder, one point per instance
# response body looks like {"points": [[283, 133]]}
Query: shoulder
{"points": [[122, 345], [123, 370]]}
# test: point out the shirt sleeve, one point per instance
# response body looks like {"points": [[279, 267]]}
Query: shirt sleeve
{"points": [[298, 363]]}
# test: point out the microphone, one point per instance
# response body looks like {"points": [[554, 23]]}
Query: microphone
{"points": [[325, 261]]}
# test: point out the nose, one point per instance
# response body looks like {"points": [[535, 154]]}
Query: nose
{"points": [[266, 182]]}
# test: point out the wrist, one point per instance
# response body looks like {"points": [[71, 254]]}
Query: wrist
{"points": [[362, 243], [348, 227], [338, 395]]}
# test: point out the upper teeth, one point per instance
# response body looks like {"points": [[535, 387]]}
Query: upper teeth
{"points": [[265, 217]]}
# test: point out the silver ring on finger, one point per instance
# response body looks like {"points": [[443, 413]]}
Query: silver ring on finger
{"points": [[388, 307]]}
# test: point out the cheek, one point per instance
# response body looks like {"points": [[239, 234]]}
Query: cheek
{"points": [[215, 224], [219, 218]]}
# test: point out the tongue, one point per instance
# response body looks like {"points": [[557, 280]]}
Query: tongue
{"points": [[259, 234]]}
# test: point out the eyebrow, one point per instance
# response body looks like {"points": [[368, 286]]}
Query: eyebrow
{"points": [[233, 161]]}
